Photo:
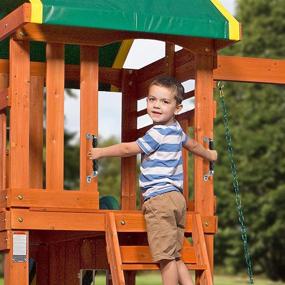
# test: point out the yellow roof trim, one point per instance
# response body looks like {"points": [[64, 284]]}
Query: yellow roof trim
{"points": [[121, 57], [122, 53], [234, 25], [37, 11]]}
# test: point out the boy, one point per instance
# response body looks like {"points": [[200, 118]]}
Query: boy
{"points": [[161, 179]]}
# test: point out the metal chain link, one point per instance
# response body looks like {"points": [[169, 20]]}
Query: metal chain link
{"points": [[241, 219]]}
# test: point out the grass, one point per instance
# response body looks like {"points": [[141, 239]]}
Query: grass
{"points": [[154, 279]]}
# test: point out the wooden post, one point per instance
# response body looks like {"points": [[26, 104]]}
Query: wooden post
{"points": [[36, 132], [129, 126], [204, 114], [54, 117], [19, 79], [3, 125], [89, 78]]}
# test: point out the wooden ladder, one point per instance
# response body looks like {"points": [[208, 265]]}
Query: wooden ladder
{"points": [[137, 257]]}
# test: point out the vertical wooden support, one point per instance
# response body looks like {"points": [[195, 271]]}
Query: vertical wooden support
{"points": [[54, 116], [204, 194], [42, 265], [57, 263], [19, 79], [89, 78], [19, 114], [170, 58], [3, 124], [129, 126], [36, 132]]}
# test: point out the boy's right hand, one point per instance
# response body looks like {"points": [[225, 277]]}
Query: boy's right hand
{"points": [[213, 155]]}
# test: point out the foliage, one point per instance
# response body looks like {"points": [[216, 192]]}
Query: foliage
{"points": [[258, 128]]}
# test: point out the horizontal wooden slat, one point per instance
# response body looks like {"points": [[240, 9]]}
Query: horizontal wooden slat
{"points": [[72, 221], [248, 69], [30, 198], [141, 254], [133, 221], [153, 266]]}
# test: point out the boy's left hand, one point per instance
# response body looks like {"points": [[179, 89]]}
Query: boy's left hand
{"points": [[93, 153]]}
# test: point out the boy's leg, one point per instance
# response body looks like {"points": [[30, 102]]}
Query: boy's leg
{"points": [[169, 272], [184, 276]]}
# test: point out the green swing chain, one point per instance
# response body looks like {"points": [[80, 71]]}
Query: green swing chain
{"points": [[243, 229]]}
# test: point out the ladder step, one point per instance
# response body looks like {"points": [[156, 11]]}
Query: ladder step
{"points": [[141, 254], [154, 266]]}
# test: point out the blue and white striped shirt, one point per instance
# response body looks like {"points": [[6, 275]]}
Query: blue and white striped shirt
{"points": [[162, 167]]}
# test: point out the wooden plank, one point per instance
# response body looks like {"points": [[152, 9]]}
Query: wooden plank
{"points": [[170, 58], [72, 262], [113, 251], [3, 134], [72, 72], [40, 198], [141, 254], [37, 220], [15, 271], [14, 20], [247, 69], [36, 131], [88, 113], [129, 126], [54, 116], [133, 221], [204, 116], [19, 79]]}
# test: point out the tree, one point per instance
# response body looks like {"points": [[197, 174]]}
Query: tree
{"points": [[257, 124]]}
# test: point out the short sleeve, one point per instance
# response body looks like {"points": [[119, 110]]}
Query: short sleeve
{"points": [[184, 138], [150, 141]]}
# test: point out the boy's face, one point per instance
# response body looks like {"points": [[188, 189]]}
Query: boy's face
{"points": [[161, 105]]}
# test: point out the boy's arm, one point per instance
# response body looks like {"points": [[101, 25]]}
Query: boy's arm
{"points": [[198, 149], [117, 150]]}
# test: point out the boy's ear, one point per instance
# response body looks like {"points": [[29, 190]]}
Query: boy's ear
{"points": [[178, 109]]}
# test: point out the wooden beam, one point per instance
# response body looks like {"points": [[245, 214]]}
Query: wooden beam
{"points": [[72, 72], [249, 69], [88, 113], [14, 20], [55, 117], [19, 80], [204, 116], [36, 131], [129, 126], [33, 198]]}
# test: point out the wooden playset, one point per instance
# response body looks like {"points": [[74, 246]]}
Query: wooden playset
{"points": [[62, 233]]}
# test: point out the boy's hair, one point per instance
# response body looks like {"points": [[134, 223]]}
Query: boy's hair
{"points": [[171, 83]]}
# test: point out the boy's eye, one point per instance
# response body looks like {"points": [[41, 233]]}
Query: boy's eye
{"points": [[151, 99], [165, 102]]}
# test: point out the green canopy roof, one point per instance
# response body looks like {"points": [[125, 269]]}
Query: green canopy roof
{"points": [[196, 18]]}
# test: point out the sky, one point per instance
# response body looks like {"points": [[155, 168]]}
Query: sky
{"points": [[142, 53]]}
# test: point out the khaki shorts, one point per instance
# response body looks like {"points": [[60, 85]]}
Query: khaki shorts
{"points": [[165, 222]]}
